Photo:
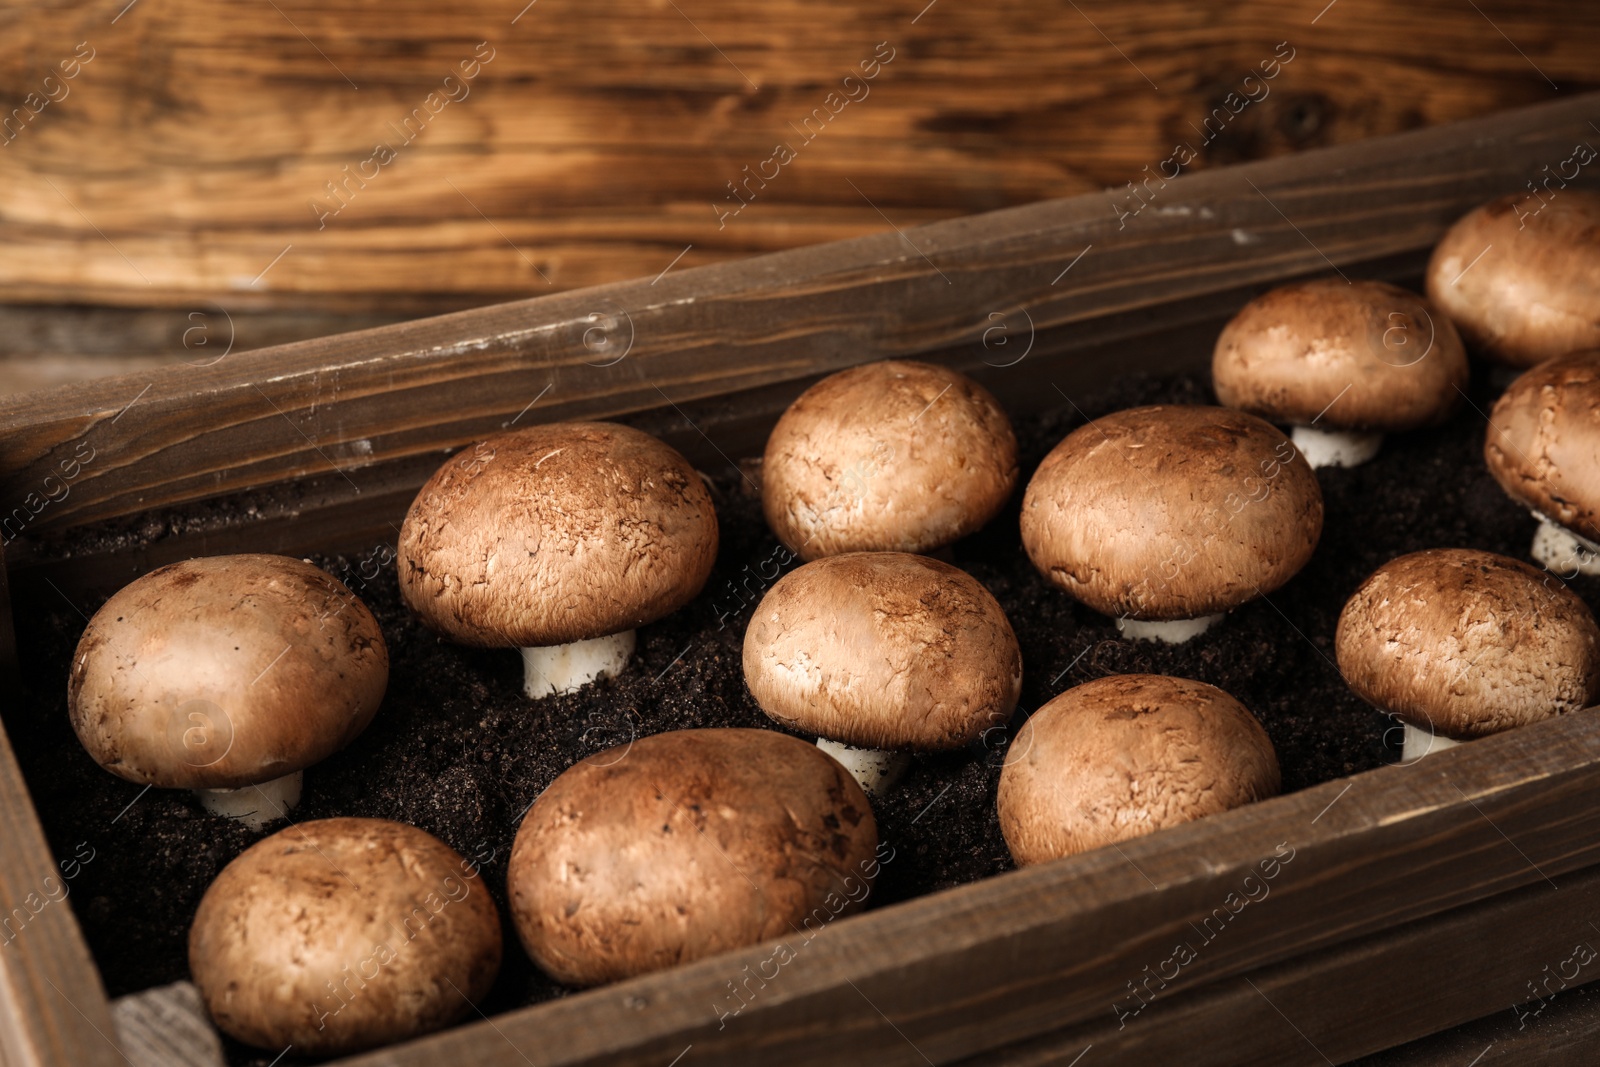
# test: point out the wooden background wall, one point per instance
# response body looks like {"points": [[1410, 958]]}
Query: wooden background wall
{"points": [[176, 171]]}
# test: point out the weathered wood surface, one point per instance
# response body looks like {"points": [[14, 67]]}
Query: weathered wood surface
{"points": [[342, 406], [1339, 1004], [598, 141], [167, 1027], [1566, 1031], [1033, 951]]}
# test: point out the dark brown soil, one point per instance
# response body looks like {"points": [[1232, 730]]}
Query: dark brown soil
{"points": [[458, 751]]}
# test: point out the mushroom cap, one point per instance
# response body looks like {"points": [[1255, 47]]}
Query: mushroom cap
{"points": [[1364, 356], [1543, 443], [337, 935], [557, 533], [685, 844], [890, 456], [225, 671], [1171, 512], [1124, 756], [1533, 296], [1468, 643], [883, 650]]}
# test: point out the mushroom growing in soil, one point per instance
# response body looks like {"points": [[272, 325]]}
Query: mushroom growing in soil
{"points": [[1458, 644], [339, 935], [891, 456], [1342, 363], [685, 844], [559, 540], [228, 675], [1520, 276], [1543, 447], [1124, 756], [1166, 517], [879, 652]]}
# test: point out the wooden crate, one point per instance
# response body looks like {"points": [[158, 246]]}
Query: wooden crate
{"points": [[1403, 901]]}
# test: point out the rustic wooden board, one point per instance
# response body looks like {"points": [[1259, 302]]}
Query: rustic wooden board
{"points": [[184, 156], [1566, 1031], [342, 405], [1336, 1005], [1030, 952]]}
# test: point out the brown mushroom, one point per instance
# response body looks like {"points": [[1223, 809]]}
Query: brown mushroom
{"points": [[1520, 276], [1166, 517], [1342, 363], [1124, 756], [560, 540], [228, 675], [1458, 644], [1543, 447], [685, 844], [338, 935], [890, 456], [882, 651]]}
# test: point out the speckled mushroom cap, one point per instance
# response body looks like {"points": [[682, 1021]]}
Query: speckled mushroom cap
{"points": [[890, 456], [684, 844], [1364, 356], [1171, 512], [1468, 643], [225, 671], [338, 935], [1543, 442], [1521, 276], [1124, 756], [883, 650], [557, 533]]}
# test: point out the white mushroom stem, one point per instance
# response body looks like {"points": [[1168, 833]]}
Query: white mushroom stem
{"points": [[1563, 551], [1170, 631], [557, 669], [875, 769], [1335, 448], [255, 805], [1419, 743]]}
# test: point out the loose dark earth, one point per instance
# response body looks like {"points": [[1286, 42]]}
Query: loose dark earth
{"points": [[459, 751]]}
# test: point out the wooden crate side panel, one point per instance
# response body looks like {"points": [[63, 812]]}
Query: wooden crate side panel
{"points": [[1484, 960]]}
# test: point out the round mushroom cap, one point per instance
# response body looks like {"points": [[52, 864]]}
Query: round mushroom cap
{"points": [[890, 456], [883, 650], [1171, 512], [1468, 643], [1543, 443], [337, 935], [225, 671], [685, 844], [1361, 356], [557, 533], [1520, 276], [1124, 756]]}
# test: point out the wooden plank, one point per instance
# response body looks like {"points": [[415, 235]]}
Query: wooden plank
{"points": [[598, 141], [948, 976], [1340, 1004], [1566, 1031], [52, 1007], [167, 1027], [343, 404]]}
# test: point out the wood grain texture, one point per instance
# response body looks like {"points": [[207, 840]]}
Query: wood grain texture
{"points": [[345, 405], [167, 1027], [1034, 951], [1481, 960], [52, 1007], [1567, 1031], [598, 142]]}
